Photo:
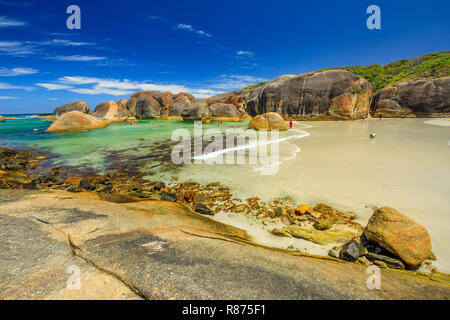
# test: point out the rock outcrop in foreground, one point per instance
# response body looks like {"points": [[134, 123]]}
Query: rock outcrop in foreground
{"points": [[111, 111], [399, 235], [73, 106], [76, 120], [268, 121], [314, 96], [427, 98], [162, 250]]}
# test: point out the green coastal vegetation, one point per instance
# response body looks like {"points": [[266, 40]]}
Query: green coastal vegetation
{"points": [[430, 66]]}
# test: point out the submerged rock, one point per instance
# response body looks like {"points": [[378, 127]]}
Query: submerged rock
{"points": [[399, 235], [76, 120]]}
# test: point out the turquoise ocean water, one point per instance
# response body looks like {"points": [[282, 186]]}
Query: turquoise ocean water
{"points": [[143, 147]]}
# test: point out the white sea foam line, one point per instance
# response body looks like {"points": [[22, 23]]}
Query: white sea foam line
{"points": [[249, 146], [439, 122], [293, 156]]}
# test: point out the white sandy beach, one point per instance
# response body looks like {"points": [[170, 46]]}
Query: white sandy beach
{"points": [[405, 167]]}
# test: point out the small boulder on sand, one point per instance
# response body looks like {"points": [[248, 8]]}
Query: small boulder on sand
{"points": [[400, 235], [268, 121]]}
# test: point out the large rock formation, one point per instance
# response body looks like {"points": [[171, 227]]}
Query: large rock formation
{"points": [[233, 97], [313, 95], [144, 106], [196, 111], [122, 103], [75, 120], [152, 104], [268, 121], [2, 119], [224, 112], [427, 98], [73, 106], [111, 112], [180, 103], [399, 235]]}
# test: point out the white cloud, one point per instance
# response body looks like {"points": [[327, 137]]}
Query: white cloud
{"points": [[53, 86], [64, 42], [115, 87], [53, 99], [77, 58], [190, 28], [17, 71], [7, 98], [245, 53], [17, 48], [10, 22], [236, 81], [7, 86]]}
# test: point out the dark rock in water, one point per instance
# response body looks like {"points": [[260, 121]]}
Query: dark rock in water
{"points": [[85, 184], [159, 185], [352, 250], [331, 94], [73, 106], [426, 98], [204, 209], [167, 196], [390, 262]]}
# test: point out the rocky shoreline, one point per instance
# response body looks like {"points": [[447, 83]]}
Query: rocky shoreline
{"points": [[378, 243]]}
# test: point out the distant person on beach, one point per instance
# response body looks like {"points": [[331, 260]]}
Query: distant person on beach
{"points": [[381, 116], [152, 123], [372, 136], [339, 117], [290, 124]]}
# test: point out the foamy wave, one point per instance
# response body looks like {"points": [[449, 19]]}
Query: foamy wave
{"points": [[215, 154]]}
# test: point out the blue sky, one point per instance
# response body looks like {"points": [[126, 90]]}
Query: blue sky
{"points": [[202, 47]]}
